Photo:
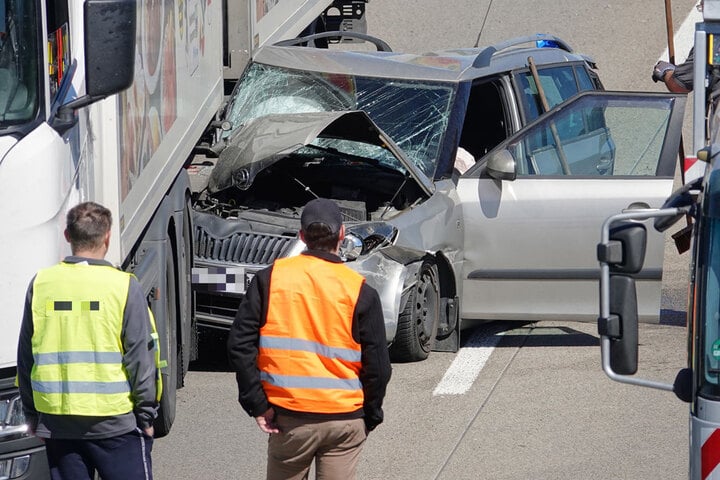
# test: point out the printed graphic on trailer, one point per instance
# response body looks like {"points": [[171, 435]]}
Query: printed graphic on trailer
{"points": [[170, 33]]}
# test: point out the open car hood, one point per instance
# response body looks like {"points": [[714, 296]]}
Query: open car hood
{"points": [[266, 140]]}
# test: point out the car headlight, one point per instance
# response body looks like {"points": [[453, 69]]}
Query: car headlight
{"points": [[12, 419], [351, 247], [13, 425], [14, 467], [364, 238]]}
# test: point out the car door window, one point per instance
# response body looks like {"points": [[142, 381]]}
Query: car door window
{"points": [[558, 83], [584, 80], [485, 123], [596, 135]]}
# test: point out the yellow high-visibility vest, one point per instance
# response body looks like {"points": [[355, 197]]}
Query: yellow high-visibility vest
{"points": [[76, 344], [308, 359]]}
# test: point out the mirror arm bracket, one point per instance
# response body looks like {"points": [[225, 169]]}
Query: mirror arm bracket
{"points": [[65, 117], [610, 326]]}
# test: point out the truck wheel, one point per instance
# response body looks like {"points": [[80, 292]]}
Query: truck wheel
{"points": [[418, 322], [186, 352], [166, 412]]}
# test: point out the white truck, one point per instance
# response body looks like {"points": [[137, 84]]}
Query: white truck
{"points": [[621, 254], [104, 100]]}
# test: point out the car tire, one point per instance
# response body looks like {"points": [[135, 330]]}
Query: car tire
{"points": [[418, 322]]}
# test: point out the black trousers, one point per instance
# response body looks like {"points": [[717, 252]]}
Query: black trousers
{"points": [[125, 457]]}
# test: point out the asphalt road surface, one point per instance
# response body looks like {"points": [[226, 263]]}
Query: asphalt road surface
{"points": [[519, 401]]}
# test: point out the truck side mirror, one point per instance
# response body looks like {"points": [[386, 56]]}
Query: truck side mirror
{"points": [[110, 27], [623, 311], [109, 46], [625, 255]]}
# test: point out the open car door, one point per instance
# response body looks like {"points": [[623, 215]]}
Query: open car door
{"points": [[534, 205]]}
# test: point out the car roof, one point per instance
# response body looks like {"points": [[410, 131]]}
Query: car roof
{"points": [[452, 65]]}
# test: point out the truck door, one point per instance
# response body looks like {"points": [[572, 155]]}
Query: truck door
{"points": [[548, 188]]}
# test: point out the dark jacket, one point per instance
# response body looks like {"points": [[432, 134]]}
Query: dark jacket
{"points": [[684, 75], [138, 360], [368, 329]]}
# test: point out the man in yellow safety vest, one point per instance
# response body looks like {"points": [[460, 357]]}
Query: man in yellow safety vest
{"points": [[87, 366]]}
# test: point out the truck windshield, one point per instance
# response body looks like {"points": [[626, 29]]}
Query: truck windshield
{"points": [[19, 53], [414, 114], [708, 322]]}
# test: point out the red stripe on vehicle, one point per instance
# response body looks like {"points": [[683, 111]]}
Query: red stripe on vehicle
{"points": [[689, 162], [710, 454]]}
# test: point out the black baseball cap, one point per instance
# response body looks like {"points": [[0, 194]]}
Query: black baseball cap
{"points": [[321, 210]]}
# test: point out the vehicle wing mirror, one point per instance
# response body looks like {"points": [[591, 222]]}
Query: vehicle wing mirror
{"points": [[501, 165], [623, 312], [625, 255], [110, 27], [109, 46], [625, 252]]}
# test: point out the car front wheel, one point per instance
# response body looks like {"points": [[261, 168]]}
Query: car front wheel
{"points": [[418, 322]]}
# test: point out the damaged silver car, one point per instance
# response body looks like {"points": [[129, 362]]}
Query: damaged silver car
{"points": [[380, 134]]}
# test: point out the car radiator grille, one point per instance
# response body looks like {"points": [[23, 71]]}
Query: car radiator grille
{"points": [[252, 248]]}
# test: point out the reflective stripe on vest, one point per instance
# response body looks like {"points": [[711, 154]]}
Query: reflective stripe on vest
{"points": [[77, 348], [308, 359]]}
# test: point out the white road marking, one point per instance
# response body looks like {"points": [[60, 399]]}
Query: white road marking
{"points": [[684, 37], [468, 362]]}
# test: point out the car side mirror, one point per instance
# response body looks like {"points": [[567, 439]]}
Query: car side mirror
{"points": [[501, 165]]}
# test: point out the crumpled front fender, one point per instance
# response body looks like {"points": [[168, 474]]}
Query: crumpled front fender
{"points": [[391, 271], [388, 278]]}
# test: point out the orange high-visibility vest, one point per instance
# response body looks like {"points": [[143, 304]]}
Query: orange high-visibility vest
{"points": [[308, 359]]}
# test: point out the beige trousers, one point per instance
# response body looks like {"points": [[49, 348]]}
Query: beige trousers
{"points": [[335, 445]]}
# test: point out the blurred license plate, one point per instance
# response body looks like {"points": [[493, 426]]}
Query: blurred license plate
{"points": [[221, 279]]}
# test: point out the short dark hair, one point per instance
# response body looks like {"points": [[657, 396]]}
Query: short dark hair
{"points": [[319, 236], [87, 223]]}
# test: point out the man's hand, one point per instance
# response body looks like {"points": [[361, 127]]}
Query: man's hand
{"points": [[266, 421], [660, 69], [149, 431]]}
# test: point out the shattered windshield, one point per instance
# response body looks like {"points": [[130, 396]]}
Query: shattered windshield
{"points": [[414, 114], [353, 152], [19, 55]]}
